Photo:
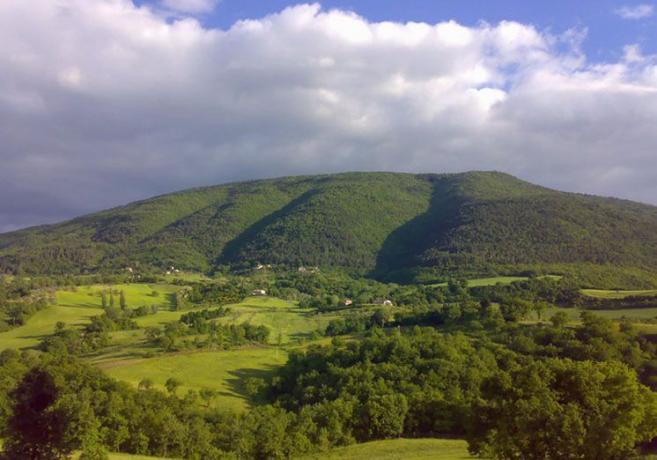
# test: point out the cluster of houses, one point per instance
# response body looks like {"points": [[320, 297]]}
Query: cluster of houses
{"points": [[303, 269], [384, 302], [171, 270], [132, 272]]}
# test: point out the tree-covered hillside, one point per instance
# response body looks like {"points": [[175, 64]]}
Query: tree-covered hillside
{"points": [[385, 224]]}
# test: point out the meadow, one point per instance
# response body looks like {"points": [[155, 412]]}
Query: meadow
{"points": [[492, 281], [617, 294], [222, 371], [393, 449], [76, 306], [400, 449], [633, 314], [132, 359], [286, 320]]}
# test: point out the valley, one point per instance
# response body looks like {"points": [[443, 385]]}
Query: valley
{"points": [[340, 316]]}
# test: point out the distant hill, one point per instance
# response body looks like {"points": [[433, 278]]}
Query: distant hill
{"points": [[384, 224]]}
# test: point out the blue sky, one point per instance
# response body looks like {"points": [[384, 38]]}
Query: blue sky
{"points": [[607, 31]]}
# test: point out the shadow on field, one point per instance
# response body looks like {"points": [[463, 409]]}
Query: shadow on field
{"points": [[171, 299], [239, 382], [300, 337]]}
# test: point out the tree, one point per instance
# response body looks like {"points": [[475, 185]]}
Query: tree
{"points": [[111, 298], [103, 298], [145, 384], [60, 326], [382, 416], [540, 307], [207, 394], [122, 301], [559, 319], [562, 409], [515, 309], [172, 385], [16, 315], [152, 332], [37, 428], [381, 317]]}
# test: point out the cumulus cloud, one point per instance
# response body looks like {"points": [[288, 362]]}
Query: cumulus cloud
{"points": [[190, 6], [102, 102], [641, 11]]}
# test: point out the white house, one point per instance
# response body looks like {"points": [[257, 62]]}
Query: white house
{"points": [[258, 292]]}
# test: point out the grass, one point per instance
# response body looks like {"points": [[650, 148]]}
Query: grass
{"points": [[43, 323], [76, 307], [617, 294], [631, 313], [118, 456], [136, 295], [400, 449], [132, 457], [492, 281], [283, 318], [188, 276], [222, 371]]}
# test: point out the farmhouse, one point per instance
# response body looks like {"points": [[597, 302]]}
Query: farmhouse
{"points": [[384, 302], [347, 302], [258, 292]]}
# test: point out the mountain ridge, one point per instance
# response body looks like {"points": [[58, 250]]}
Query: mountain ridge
{"points": [[373, 222]]}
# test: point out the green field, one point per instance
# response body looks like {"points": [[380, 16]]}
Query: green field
{"points": [[43, 324], [136, 295], [218, 370], [283, 318], [117, 456], [492, 281], [400, 449], [133, 457], [616, 294], [630, 313], [76, 307]]}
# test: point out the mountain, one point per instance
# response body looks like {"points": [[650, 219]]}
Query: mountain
{"points": [[385, 224]]}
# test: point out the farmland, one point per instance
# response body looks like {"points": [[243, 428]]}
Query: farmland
{"points": [[131, 359], [76, 306], [400, 449], [218, 368], [222, 371], [618, 293]]}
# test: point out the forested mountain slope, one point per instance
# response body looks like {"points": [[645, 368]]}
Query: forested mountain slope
{"points": [[379, 223]]}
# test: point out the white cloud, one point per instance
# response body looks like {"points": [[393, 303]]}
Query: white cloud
{"points": [[190, 6], [102, 102], [641, 11]]}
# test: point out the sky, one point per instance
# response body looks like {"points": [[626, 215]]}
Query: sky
{"points": [[103, 102]]}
